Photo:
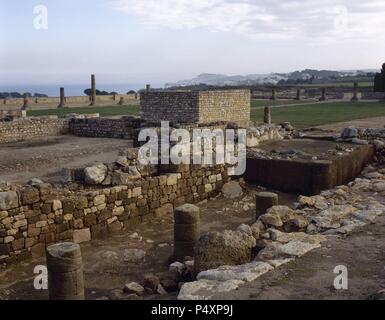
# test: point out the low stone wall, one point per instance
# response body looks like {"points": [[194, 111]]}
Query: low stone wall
{"points": [[104, 128], [33, 217], [29, 128], [71, 99]]}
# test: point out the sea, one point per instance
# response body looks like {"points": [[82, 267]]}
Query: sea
{"points": [[75, 89]]}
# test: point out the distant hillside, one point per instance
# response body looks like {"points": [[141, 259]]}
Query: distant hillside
{"points": [[296, 77]]}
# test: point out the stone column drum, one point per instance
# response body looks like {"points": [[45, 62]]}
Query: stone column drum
{"points": [[121, 101], [186, 230], [62, 102], [273, 95], [93, 90], [65, 272], [25, 102], [298, 96], [264, 201], [355, 92], [267, 115], [323, 94]]}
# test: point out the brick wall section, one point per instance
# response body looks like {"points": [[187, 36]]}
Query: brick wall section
{"points": [[178, 106], [224, 105], [104, 128], [33, 217], [196, 106], [26, 129]]}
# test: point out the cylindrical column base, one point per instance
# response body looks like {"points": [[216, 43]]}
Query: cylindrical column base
{"points": [[264, 201], [65, 272], [186, 230]]}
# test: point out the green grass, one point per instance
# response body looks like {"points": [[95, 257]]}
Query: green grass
{"points": [[325, 113], [258, 103], [361, 84], [105, 111]]}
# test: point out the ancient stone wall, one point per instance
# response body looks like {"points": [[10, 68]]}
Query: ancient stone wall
{"points": [[33, 217], [176, 107], [28, 128], [104, 128], [224, 105], [196, 106], [70, 99]]}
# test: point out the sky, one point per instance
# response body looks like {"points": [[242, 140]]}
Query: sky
{"points": [[156, 41]]}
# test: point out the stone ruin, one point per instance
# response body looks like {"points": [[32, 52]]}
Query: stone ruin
{"points": [[107, 198]]}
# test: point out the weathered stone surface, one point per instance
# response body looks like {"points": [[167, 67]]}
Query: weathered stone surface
{"points": [[205, 289], [81, 236], [8, 200], [245, 272], [271, 220], [133, 287], [232, 190], [216, 249], [95, 174], [349, 133]]}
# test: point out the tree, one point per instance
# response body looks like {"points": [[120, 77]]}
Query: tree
{"points": [[379, 80]]}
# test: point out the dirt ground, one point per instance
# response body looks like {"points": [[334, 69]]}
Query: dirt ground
{"points": [[311, 277], [378, 122], [44, 157], [110, 263]]}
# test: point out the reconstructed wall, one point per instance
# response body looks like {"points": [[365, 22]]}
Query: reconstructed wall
{"points": [[33, 217], [196, 106], [104, 128], [178, 106], [224, 105], [28, 128], [70, 99]]}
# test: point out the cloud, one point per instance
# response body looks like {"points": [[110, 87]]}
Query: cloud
{"points": [[313, 20]]}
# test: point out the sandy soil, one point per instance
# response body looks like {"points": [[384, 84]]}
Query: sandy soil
{"points": [[311, 277], [44, 158], [378, 122]]}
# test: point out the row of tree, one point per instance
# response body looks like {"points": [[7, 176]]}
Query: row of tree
{"points": [[9, 95], [104, 93]]}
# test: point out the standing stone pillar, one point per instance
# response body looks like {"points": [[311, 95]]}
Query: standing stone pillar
{"points": [[267, 115], [298, 96], [148, 88], [186, 230], [65, 272], [264, 201], [25, 102], [355, 91], [273, 95], [62, 102], [93, 90], [121, 101], [323, 95]]}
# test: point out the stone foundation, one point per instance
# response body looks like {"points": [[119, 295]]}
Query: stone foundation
{"points": [[33, 217], [29, 128]]}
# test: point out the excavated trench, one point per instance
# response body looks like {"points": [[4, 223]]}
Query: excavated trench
{"points": [[306, 166]]}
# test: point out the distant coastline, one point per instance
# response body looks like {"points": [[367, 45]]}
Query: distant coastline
{"points": [[71, 90]]}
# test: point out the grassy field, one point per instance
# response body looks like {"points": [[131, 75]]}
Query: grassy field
{"points": [[259, 103], [105, 111], [299, 115], [361, 84], [326, 113]]}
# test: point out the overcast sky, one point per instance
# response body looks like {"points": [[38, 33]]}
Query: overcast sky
{"points": [[140, 41]]}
